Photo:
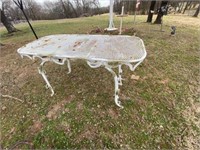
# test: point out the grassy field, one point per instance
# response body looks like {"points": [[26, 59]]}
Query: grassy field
{"points": [[161, 108]]}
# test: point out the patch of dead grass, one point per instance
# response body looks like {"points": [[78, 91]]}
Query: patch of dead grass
{"points": [[88, 133], [37, 126], [55, 110]]}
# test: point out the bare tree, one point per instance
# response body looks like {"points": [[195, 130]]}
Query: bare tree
{"points": [[32, 9], [160, 12], [144, 7], [181, 7], [186, 6], [197, 11], [57, 9], [64, 8], [5, 19], [151, 9], [7, 23], [78, 7], [74, 10], [89, 4]]}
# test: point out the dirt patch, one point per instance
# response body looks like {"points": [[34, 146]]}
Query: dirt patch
{"points": [[96, 30], [54, 112], [129, 31], [165, 81], [80, 106], [37, 126], [89, 133], [65, 126], [113, 113], [126, 31]]}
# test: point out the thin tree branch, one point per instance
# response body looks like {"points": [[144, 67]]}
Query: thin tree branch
{"points": [[8, 96]]}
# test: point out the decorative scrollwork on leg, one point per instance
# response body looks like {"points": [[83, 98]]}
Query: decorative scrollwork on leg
{"points": [[61, 61], [116, 80], [42, 72], [94, 64], [120, 77], [69, 66], [133, 67]]}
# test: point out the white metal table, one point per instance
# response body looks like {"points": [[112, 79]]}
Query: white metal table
{"points": [[109, 51]]}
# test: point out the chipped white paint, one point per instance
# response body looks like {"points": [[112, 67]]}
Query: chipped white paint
{"points": [[98, 50]]}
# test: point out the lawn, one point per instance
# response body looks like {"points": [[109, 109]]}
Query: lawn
{"points": [[161, 108]]}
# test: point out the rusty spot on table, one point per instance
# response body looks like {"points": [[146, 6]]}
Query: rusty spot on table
{"points": [[78, 43], [47, 40]]}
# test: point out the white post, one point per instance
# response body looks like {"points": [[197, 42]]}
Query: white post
{"points": [[111, 26], [136, 8], [122, 13]]}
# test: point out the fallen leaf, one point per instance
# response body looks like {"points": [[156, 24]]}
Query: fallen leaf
{"points": [[3, 108], [12, 130], [164, 81], [134, 77]]}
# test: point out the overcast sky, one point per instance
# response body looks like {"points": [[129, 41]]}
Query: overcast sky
{"points": [[102, 2]]}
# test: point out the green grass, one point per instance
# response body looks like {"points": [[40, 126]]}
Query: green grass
{"points": [[160, 109]]}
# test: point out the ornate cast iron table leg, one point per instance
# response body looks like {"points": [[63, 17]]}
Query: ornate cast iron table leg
{"points": [[43, 73], [118, 81]]}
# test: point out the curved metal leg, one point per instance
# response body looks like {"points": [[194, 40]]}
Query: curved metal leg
{"points": [[43, 73], [116, 79], [94, 64], [120, 77], [61, 61], [133, 67], [69, 66]]}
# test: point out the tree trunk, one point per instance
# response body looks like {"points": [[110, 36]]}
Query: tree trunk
{"points": [[190, 6], [186, 6], [74, 10], [197, 12], [64, 8], [10, 28], [160, 13], [181, 7], [150, 15]]}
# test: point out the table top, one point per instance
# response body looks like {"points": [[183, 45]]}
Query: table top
{"points": [[110, 48]]}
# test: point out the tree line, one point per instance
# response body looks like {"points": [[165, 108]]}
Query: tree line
{"points": [[175, 6], [52, 9], [82, 8]]}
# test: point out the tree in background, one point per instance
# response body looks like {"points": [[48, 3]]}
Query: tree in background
{"points": [[64, 8], [32, 9], [144, 7], [7, 23], [5, 19], [186, 6], [150, 14], [161, 12], [197, 11]]}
